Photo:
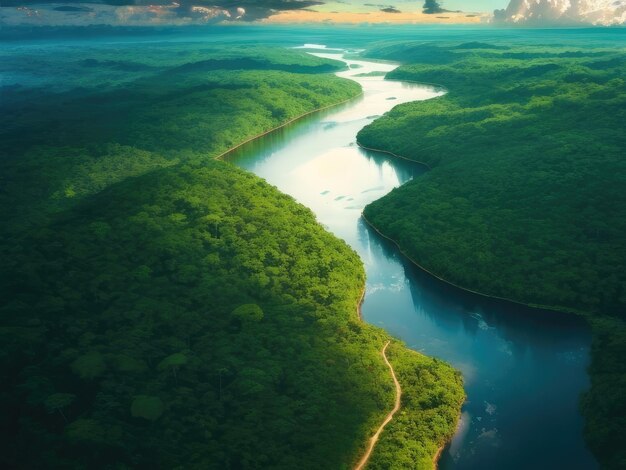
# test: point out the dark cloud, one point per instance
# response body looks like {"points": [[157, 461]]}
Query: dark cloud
{"points": [[257, 5], [383, 8], [70, 8], [144, 11], [20, 3], [432, 7]]}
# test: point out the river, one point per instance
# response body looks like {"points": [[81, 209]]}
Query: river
{"points": [[524, 369]]}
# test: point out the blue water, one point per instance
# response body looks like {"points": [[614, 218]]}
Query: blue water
{"points": [[524, 369]]}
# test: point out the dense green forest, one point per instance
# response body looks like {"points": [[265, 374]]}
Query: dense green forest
{"points": [[166, 310], [409, 440], [525, 198], [72, 133]]}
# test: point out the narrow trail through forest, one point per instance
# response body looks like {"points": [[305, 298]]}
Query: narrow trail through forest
{"points": [[363, 462]]}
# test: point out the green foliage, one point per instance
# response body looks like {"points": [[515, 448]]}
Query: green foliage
{"points": [[526, 197], [86, 431], [58, 401], [528, 158], [76, 138], [173, 360], [89, 365], [147, 407], [413, 437], [128, 364], [200, 318], [308, 363], [248, 313], [604, 405]]}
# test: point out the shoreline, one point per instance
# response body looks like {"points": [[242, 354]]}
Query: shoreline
{"points": [[471, 291], [387, 152], [359, 305], [436, 86], [225, 154], [538, 307], [445, 444], [437, 455]]}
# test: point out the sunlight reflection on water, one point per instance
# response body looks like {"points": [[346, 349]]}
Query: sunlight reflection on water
{"points": [[524, 370]]}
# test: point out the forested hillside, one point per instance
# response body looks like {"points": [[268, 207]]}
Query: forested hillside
{"points": [[525, 199], [166, 310], [79, 119]]}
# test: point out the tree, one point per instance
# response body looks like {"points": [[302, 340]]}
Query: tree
{"points": [[248, 313], [90, 365], [173, 362], [147, 407], [220, 371], [86, 430], [58, 401]]}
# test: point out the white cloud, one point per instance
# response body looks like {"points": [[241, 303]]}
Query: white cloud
{"points": [[596, 12]]}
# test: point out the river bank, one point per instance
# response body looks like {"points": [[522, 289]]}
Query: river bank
{"points": [[457, 286], [320, 164], [525, 201], [225, 154]]}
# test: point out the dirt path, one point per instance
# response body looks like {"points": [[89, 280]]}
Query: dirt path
{"points": [[363, 462]]}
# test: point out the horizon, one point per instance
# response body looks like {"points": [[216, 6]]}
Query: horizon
{"points": [[16, 13]]}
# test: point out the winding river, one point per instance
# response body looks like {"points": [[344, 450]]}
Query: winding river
{"points": [[524, 369]]}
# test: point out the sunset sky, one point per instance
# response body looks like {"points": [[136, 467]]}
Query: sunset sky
{"points": [[186, 12], [181, 12], [410, 5]]}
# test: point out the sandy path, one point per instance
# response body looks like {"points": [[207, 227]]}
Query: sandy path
{"points": [[363, 462]]}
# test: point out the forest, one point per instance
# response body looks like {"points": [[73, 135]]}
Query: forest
{"points": [[525, 196], [167, 310]]}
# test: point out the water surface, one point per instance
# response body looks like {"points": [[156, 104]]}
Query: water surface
{"points": [[524, 369]]}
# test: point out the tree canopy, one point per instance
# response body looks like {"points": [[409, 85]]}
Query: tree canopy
{"points": [[525, 199], [167, 310]]}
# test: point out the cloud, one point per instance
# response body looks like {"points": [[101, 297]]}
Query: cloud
{"points": [[141, 12], [596, 12], [390, 9], [432, 7], [102, 14]]}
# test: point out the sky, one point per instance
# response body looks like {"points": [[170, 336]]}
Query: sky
{"points": [[475, 5], [465, 5], [158, 12], [184, 12]]}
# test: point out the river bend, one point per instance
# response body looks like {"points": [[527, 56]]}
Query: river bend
{"points": [[524, 369]]}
